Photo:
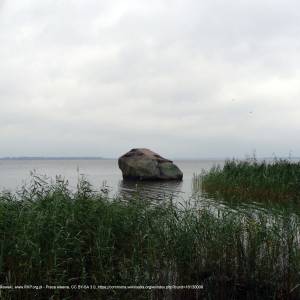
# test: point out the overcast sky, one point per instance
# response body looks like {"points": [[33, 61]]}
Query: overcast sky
{"points": [[185, 78]]}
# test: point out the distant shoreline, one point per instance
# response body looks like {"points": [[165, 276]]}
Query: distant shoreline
{"points": [[52, 158]]}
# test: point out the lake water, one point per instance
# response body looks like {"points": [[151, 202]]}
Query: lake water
{"points": [[101, 172], [105, 175]]}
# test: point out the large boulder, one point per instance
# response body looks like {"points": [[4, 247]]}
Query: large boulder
{"points": [[144, 164]]}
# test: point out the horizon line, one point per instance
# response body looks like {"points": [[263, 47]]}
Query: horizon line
{"points": [[107, 158]]}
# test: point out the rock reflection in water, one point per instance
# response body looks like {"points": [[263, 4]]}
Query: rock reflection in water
{"points": [[152, 190]]}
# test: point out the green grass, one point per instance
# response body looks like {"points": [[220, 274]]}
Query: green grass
{"points": [[50, 235], [276, 181]]}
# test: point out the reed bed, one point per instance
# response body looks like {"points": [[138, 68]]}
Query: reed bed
{"points": [[50, 235], [274, 181]]}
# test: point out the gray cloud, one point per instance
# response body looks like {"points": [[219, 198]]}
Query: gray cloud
{"points": [[185, 78]]}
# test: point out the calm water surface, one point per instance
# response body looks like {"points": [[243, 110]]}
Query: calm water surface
{"points": [[105, 175], [15, 173]]}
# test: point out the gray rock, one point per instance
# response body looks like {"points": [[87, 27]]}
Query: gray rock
{"points": [[144, 164]]}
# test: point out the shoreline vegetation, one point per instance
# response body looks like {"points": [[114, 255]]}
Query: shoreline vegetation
{"points": [[50, 235], [253, 180]]}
